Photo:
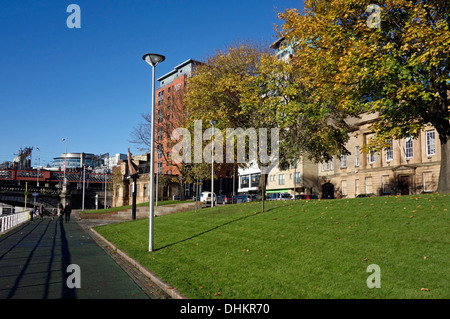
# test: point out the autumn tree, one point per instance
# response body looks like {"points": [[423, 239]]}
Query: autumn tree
{"points": [[217, 89], [396, 67], [247, 86]]}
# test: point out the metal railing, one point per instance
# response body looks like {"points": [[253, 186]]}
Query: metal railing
{"points": [[10, 221]]}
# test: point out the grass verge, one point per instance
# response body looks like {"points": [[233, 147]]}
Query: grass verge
{"points": [[302, 249]]}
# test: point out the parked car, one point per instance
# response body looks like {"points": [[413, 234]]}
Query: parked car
{"points": [[244, 198], [206, 197], [223, 199], [278, 196], [306, 196]]}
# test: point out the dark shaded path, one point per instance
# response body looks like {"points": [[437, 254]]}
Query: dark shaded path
{"points": [[34, 258]]}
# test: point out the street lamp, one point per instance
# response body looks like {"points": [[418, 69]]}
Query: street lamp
{"points": [[212, 163], [153, 60], [65, 159], [39, 163]]}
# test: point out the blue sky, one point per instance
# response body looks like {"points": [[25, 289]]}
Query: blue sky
{"points": [[91, 84]]}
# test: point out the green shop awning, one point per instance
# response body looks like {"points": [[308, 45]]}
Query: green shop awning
{"points": [[278, 191]]}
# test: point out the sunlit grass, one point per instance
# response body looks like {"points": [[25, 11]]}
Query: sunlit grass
{"points": [[301, 249]]}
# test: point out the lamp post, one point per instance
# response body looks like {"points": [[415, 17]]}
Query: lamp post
{"points": [[152, 59], [157, 175], [65, 159], [212, 163], [39, 163]]}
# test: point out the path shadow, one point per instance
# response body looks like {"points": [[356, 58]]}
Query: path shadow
{"points": [[67, 293], [27, 261], [14, 232], [44, 241], [214, 228]]}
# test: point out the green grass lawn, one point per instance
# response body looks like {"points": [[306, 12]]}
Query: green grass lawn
{"points": [[301, 249]]}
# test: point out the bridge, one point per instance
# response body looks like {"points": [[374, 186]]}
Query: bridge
{"points": [[46, 188]]}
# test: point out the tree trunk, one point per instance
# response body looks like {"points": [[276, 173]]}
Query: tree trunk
{"points": [[262, 190], [444, 175]]}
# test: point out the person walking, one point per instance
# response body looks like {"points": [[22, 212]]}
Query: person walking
{"points": [[60, 212], [67, 211]]}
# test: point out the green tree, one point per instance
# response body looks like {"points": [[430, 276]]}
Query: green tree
{"points": [[399, 70], [219, 90]]}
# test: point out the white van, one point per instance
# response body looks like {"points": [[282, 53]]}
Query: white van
{"points": [[206, 197]]}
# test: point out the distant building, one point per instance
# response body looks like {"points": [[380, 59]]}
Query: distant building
{"points": [[300, 178], [248, 180], [170, 113], [95, 162], [407, 166], [73, 160]]}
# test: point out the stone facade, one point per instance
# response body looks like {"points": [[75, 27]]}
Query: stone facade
{"points": [[408, 166], [297, 179]]}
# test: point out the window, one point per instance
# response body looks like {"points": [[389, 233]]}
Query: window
{"points": [[160, 116], [255, 180], [389, 152], [385, 184], [372, 157], [297, 177], [344, 188], [369, 185], [281, 179], [327, 166], [160, 166], [356, 156], [344, 161], [145, 190], [431, 142], [244, 181], [409, 147], [160, 134], [428, 185]]}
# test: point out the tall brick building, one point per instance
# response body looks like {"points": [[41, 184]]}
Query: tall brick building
{"points": [[170, 114]]}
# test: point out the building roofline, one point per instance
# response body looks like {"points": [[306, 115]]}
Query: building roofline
{"points": [[176, 68]]}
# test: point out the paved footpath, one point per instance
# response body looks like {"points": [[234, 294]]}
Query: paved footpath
{"points": [[34, 258]]}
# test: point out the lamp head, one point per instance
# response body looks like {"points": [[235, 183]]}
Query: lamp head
{"points": [[153, 59]]}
